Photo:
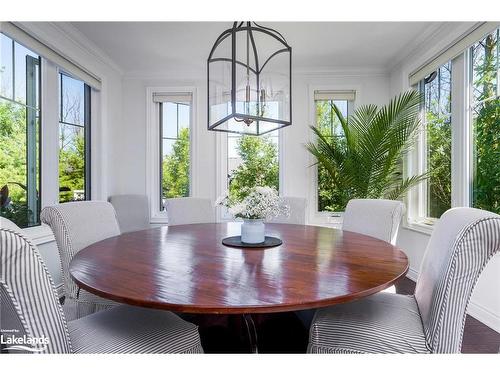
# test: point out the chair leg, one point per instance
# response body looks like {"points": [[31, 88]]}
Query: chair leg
{"points": [[252, 333]]}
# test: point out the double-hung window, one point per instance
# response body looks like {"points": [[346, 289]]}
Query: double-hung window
{"points": [[329, 125], [19, 133], [459, 145]]}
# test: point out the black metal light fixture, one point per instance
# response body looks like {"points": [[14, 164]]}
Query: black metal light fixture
{"points": [[249, 80]]}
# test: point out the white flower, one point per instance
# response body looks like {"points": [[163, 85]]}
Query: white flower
{"points": [[263, 202]]}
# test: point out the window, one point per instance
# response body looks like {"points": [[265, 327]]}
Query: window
{"points": [[460, 142], [252, 161], [19, 133], [329, 124], [485, 110], [436, 90], [74, 139], [175, 150]]}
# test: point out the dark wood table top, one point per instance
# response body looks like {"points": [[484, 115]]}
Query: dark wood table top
{"points": [[186, 268]]}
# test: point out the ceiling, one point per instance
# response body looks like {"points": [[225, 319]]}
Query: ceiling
{"points": [[153, 47]]}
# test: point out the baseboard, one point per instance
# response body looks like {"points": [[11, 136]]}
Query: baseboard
{"points": [[484, 315], [60, 290], [475, 310], [412, 274]]}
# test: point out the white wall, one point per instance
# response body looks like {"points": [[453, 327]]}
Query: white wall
{"points": [[485, 302], [130, 139]]}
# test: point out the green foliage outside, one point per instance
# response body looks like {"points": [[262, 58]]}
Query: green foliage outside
{"points": [[71, 162], [366, 161], [175, 168], [438, 164], [486, 125], [259, 166], [329, 125], [13, 204]]}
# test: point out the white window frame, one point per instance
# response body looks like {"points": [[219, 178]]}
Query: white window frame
{"points": [[315, 216], [153, 149]]}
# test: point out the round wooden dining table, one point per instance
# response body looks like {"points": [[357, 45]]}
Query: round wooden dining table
{"points": [[186, 268]]}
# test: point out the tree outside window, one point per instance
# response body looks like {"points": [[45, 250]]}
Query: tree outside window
{"points": [[485, 108], [329, 198], [19, 133]]}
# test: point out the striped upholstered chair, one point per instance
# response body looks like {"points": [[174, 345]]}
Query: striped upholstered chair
{"points": [[29, 306], [77, 225], [431, 321]]}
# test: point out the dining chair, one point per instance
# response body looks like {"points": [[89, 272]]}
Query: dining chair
{"points": [[432, 320], [77, 225], [132, 211], [30, 306], [379, 218], [297, 212], [189, 211]]}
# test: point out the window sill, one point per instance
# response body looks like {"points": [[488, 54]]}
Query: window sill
{"points": [[419, 227], [40, 234]]}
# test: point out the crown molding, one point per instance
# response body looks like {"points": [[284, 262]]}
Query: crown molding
{"points": [[425, 39], [77, 37], [200, 74], [46, 31]]}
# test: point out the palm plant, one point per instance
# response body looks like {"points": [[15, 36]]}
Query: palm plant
{"points": [[367, 161]]}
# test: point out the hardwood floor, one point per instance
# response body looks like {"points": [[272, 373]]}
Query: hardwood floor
{"points": [[284, 333]]}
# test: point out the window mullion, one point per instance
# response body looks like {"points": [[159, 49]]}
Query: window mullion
{"points": [[32, 165], [50, 134], [460, 150]]}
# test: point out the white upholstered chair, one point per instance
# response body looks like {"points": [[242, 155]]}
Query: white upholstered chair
{"points": [[377, 218], [432, 320], [297, 212], [132, 211], [77, 225], [29, 306], [189, 211]]}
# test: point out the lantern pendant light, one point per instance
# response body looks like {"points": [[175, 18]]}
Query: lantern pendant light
{"points": [[249, 80]]}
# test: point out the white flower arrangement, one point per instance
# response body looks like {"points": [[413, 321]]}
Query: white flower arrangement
{"points": [[263, 202]]}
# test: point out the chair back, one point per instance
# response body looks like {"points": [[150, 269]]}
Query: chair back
{"points": [[297, 212], [77, 225], [462, 242], [29, 304], [131, 211], [189, 211], [379, 218]]}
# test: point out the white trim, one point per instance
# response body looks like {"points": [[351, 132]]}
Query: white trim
{"points": [[451, 51], [476, 310], [60, 290], [49, 142], [30, 41], [153, 150], [78, 38], [484, 315]]}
